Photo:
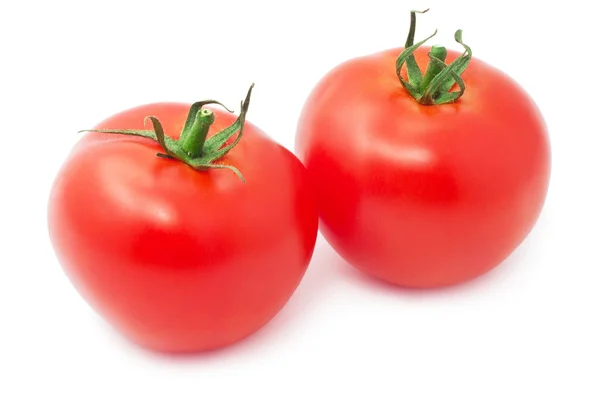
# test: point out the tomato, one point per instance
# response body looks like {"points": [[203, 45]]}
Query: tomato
{"points": [[416, 193], [178, 258]]}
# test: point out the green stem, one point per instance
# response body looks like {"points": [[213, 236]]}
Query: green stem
{"points": [[433, 88], [194, 148], [192, 114], [434, 68], [193, 143]]}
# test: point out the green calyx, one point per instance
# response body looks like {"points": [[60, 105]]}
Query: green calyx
{"points": [[193, 147], [434, 87]]}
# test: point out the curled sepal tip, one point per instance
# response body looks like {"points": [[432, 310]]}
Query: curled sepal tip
{"points": [[433, 88], [194, 148]]}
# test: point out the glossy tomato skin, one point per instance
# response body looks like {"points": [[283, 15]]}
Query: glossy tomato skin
{"points": [[176, 259], [423, 196]]}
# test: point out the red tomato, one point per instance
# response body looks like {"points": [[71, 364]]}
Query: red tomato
{"points": [[177, 259], [423, 195]]}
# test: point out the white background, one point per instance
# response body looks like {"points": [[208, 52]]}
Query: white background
{"points": [[527, 330]]}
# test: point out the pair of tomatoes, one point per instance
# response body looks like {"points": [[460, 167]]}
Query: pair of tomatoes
{"points": [[188, 228]]}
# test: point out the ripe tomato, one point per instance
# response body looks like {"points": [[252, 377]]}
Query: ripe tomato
{"points": [[179, 259], [424, 195]]}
